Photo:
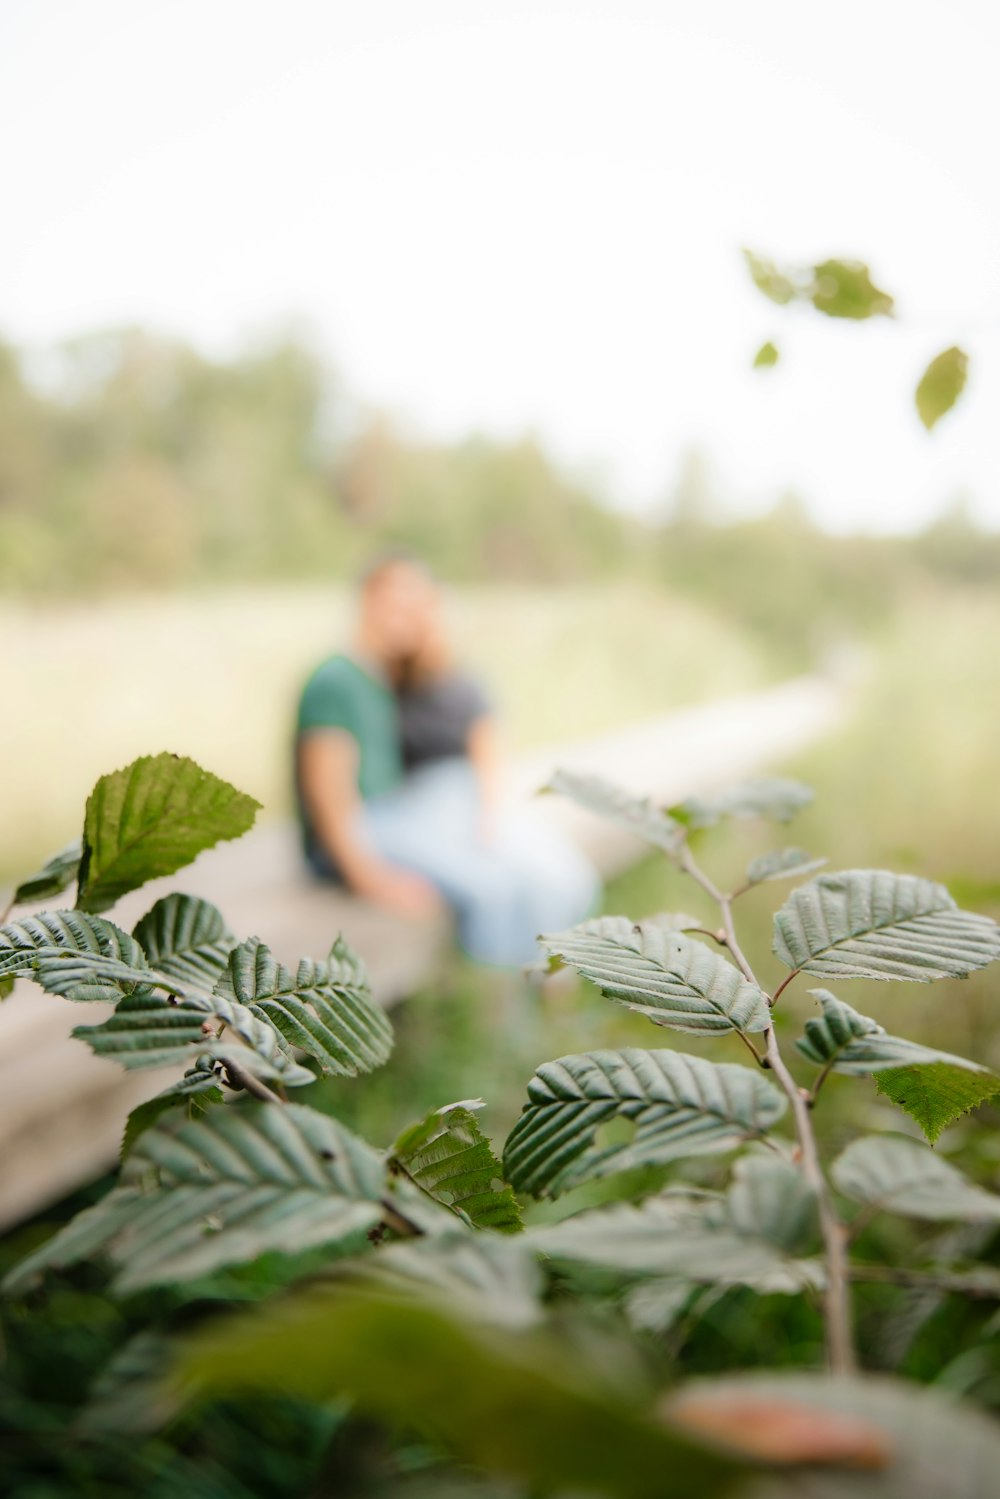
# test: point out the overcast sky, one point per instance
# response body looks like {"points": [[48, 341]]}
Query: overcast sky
{"points": [[528, 215]]}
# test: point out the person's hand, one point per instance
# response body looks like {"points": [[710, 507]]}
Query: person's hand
{"points": [[406, 893]]}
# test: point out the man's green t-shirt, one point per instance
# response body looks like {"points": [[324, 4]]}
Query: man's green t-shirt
{"points": [[340, 694]]}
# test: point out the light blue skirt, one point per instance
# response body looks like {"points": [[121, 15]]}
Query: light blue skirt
{"points": [[527, 878]]}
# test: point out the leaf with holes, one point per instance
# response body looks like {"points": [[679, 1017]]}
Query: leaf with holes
{"points": [[70, 953], [768, 796], [187, 939], [151, 819], [638, 814], [898, 1175], [869, 924], [326, 1009], [782, 864], [662, 974], [448, 1155], [678, 1106], [243, 1180], [53, 878]]}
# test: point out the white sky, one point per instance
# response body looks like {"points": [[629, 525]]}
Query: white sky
{"points": [[528, 215]]}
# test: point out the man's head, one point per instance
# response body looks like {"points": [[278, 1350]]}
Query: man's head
{"points": [[398, 599]]}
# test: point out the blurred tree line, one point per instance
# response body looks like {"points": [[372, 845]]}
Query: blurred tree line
{"points": [[129, 461]]}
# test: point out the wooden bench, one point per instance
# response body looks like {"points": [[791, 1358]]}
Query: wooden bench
{"points": [[62, 1109]]}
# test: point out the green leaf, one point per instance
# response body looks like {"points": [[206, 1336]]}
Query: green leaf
{"points": [[677, 1105], [662, 974], [940, 385], [326, 1009], [6, 986], [844, 289], [53, 877], [782, 864], [766, 356], [488, 1278], [753, 1236], [148, 1030], [898, 1175], [199, 1088], [845, 1041], [567, 1424], [69, 953], [771, 796], [638, 814], [938, 1093], [869, 924], [187, 939], [151, 819], [448, 1155], [776, 285], [220, 1190]]}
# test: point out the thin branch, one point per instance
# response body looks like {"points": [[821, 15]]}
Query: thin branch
{"points": [[761, 1061], [783, 986], [836, 1302], [398, 1222]]}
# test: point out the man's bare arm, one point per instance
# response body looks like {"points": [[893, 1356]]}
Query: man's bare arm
{"points": [[328, 767]]}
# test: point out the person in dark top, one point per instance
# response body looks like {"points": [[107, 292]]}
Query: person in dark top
{"points": [[399, 781]]}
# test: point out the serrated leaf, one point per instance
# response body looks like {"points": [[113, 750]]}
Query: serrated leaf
{"points": [[638, 814], [869, 924], [488, 1278], [844, 289], [149, 1030], [753, 1236], [940, 385], [769, 796], [53, 878], [938, 1093], [782, 864], [325, 1010], [776, 285], [151, 819], [186, 938], [672, 979], [199, 1088], [679, 1106], [448, 1155], [198, 1194], [898, 1175], [845, 1041], [766, 357], [70, 953]]}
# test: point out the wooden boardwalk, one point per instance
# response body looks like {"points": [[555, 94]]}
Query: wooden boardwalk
{"points": [[61, 1121]]}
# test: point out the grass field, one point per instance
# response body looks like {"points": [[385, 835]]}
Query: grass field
{"points": [[216, 677]]}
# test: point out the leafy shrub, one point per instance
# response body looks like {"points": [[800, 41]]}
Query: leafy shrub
{"points": [[420, 1295]]}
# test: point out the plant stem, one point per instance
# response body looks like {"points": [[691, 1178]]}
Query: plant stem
{"points": [[253, 1085], [836, 1299]]}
